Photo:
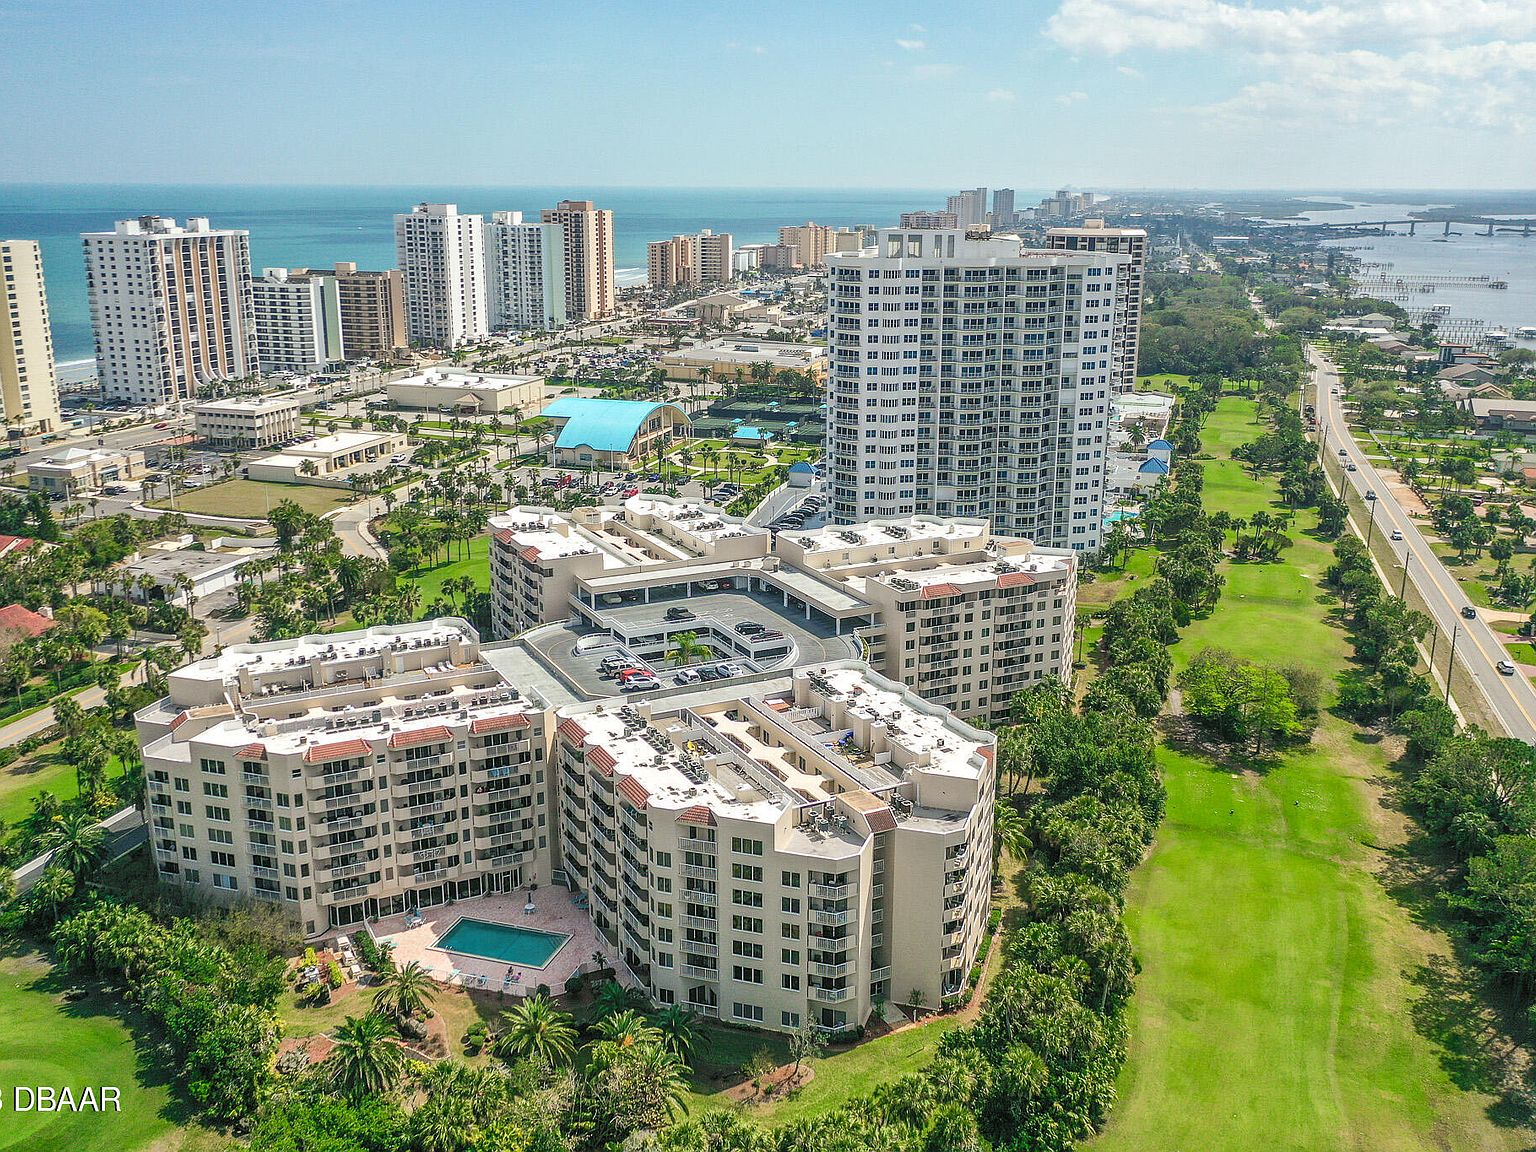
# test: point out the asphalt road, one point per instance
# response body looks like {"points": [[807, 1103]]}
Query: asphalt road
{"points": [[1478, 646]]}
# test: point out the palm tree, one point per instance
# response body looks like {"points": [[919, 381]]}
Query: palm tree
{"points": [[406, 992], [687, 648], [366, 1060], [612, 997], [679, 1028], [1008, 833], [626, 1029], [537, 1030], [77, 843]]}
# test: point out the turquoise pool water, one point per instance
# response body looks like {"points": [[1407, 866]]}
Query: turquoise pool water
{"points": [[505, 942]]}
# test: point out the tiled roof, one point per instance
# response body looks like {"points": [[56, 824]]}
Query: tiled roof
{"points": [[343, 750], [252, 752], [934, 591], [14, 617], [632, 789], [698, 814], [530, 554], [435, 735], [1014, 579], [504, 535], [572, 731], [602, 759], [178, 720], [882, 820], [497, 723]]}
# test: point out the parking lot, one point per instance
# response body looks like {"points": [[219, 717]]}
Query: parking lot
{"points": [[641, 631]]}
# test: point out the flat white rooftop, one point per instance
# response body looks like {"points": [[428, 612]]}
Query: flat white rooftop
{"points": [[465, 381], [278, 654]]}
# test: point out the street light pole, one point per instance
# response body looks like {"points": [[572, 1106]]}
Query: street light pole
{"points": [[1402, 588], [1370, 526], [1450, 662]]}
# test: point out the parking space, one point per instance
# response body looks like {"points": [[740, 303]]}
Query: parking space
{"points": [[643, 636]]}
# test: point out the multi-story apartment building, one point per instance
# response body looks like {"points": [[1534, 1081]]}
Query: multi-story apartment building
{"points": [[172, 307], [969, 207], [971, 377], [783, 851], [525, 273], [930, 220], [690, 260], [442, 258], [298, 321], [813, 243], [1003, 214], [588, 232], [777, 850], [348, 776], [949, 608], [1093, 236], [249, 421], [371, 306], [29, 390]]}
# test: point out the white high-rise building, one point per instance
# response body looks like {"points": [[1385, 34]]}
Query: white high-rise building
{"points": [[971, 377], [298, 321], [1093, 236], [588, 257], [171, 306], [28, 387], [524, 273], [441, 253]]}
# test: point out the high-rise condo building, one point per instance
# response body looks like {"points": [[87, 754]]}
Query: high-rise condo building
{"points": [[171, 306], [813, 243], [525, 273], [969, 207], [372, 306], [28, 386], [298, 320], [1093, 236], [588, 231], [1003, 215], [691, 261], [929, 220], [441, 255], [970, 377]]}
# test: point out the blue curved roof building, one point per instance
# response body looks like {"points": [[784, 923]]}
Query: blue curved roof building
{"points": [[610, 433]]}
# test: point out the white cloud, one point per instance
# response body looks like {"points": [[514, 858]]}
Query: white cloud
{"points": [[917, 28], [933, 71], [1071, 97], [911, 45], [1127, 70], [1002, 96]]}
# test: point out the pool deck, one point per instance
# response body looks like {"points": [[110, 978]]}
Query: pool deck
{"points": [[555, 914]]}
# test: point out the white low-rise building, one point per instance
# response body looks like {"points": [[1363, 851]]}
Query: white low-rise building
{"points": [[328, 459], [725, 359], [78, 469], [476, 393], [248, 422]]}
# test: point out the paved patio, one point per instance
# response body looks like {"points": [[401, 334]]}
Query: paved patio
{"points": [[555, 912]]}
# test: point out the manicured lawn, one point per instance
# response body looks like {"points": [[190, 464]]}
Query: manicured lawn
{"points": [[255, 498], [85, 1043], [478, 565], [1286, 999], [44, 770]]}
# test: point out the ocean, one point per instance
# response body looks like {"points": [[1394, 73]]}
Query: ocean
{"points": [[318, 225]]}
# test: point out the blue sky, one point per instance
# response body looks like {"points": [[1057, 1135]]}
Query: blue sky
{"points": [[863, 93]]}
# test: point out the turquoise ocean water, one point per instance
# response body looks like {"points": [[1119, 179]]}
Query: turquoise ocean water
{"points": [[317, 226]]}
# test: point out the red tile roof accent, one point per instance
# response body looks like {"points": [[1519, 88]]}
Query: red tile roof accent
{"points": [[602, 759], [572, 731], [934, 591], [881, 820], [698, 814], [434, 735], [178, 721], [497, 723], [504, 536], [252, 752], [15, 618], [9, 544], [632, 789], [1014, 579], [343, 750], [530, 554], [988, 753]]}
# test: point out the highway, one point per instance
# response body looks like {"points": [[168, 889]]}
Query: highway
{"points": [[1478, 646]]}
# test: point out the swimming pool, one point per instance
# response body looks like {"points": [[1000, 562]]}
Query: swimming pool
{"points": [[504, 942]]}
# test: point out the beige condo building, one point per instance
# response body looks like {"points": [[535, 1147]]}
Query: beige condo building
{"points": [[1094, 236], [28, 386], [372, 308], [588, 233]]}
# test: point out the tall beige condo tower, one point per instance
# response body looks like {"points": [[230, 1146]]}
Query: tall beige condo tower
{"points": [[27, 382], [172, 307], [588, 258], [1093, 236]]}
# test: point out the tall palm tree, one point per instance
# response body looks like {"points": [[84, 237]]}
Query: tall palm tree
{"points": [[406, 991], [679, 1028], [536, 1029], [77, 843], [366, 1061], [626, 1029], [1008, 833], [687, 648]]}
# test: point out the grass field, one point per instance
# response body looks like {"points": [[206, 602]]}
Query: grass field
{"points": [[255, 498], [478, 565], [43, 770], [1287, 1000], [85, 1043]]}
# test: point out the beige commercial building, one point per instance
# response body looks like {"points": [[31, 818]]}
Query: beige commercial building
{"points": [[248, 422], [725, 358], [953, 610], [776, 851], [372, 307], [1130, 285], [588, 233], [172, 307], [327, 460], [75, 470], [29, 389], [477, 393]]}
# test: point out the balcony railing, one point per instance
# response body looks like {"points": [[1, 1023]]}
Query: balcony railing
{"points": [[829, 995], [697, 896], [264, 872], [694, 973], [260, 826], [833, 891], [877, 975], [833, 971], [701, 923], [822, 916], [701, 871]]}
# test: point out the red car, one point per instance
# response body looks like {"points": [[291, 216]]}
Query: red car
{"points": [[628, 492], [161, 425]]}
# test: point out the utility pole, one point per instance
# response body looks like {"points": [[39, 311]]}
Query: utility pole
{"points": [[1450, 663], [1370, 525], [1402, 588]]}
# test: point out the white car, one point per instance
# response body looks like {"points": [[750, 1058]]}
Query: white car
{"points": [[686, 676], [1506, 668]]}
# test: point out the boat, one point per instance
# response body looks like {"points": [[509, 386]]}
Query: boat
{"points": [[1498, 283], [1526, 331], [1497, 336]]}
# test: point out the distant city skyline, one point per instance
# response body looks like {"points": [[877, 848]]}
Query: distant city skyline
{"points": [[1185, 94]]}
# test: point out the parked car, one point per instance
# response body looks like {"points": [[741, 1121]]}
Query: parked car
{"points": [[630, 491], [630, 673], [679, 613], [728, 670], [1506, 668], [686, 676], [707, 673], [768, 634], [162, 424], [750, 627], [640, 684]]}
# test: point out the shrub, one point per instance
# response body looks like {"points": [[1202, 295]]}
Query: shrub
{"points": [[574, 985]]}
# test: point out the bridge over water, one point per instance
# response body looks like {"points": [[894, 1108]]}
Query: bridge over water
{"points": [[1485, 225]]}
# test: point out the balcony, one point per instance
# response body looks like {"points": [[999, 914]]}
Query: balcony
{"points": [[260, 779], [879, 975], [343, 871], [833, 892], [701, 871], [258, 802], [693, 973], [832, 919], [700, 923], [348, 893], [159, 785], [700, 948], [436, 853], [423, 787], [265, 873], [166, 853], [698, 896], [345, 775], [429, 875], [829, 995], [260, 826], [832, 971]]}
